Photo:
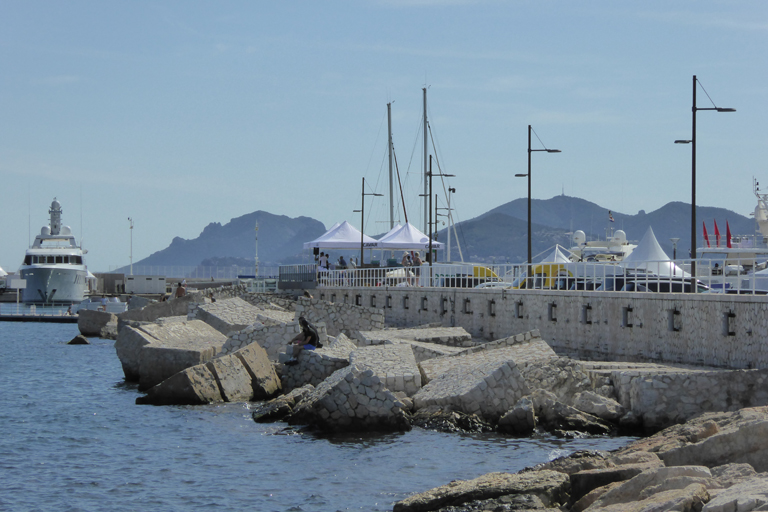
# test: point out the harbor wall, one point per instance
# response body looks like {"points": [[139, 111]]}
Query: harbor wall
{"points": [[728, 331]]}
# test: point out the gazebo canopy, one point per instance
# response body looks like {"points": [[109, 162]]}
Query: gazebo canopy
{"points": [[342, 236], [407, 237], [649, 256]]}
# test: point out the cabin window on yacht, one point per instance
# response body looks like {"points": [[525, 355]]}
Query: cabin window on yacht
{"points": [[66, 259], [77, 260], [28, 259], [51, 259], [59, 259]]}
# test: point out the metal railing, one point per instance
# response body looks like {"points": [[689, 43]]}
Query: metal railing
{"points": [[737, 276], [202, 272]]}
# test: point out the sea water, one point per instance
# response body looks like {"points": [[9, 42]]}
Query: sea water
{"points": [[72, 438]]}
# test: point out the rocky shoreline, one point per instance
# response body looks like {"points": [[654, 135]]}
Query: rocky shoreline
{"points": [[368, 377]]}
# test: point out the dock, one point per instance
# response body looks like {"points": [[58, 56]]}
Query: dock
{"points": [[59, 319]]}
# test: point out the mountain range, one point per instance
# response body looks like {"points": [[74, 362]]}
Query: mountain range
{"points": [[498, 235]]}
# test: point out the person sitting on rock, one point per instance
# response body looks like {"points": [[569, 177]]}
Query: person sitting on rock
{"points": [[307, 339]]}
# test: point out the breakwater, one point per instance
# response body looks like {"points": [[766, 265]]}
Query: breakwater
{"points": [[725, 331]]}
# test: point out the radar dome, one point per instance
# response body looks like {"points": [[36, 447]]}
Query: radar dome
{"points": [[55, 205], [579, 238], [66, 230], [620, 236]]}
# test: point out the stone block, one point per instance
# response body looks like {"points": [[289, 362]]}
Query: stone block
{"points": [[264, 379], [191, 386], [90, 323], [164, 350], [232, 378], [391, 363]]}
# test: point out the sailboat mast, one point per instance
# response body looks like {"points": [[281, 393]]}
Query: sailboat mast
{"points": [[391, 180], [426, 175]]}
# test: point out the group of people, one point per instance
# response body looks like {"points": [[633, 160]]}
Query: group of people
{"points": [[323, 261], [412, 263]]}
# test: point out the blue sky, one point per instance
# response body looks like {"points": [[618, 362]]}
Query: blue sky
{"points": [[179, 114]]}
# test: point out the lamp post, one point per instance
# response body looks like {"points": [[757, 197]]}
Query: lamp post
{"points": [[130, 221], [530, 255], [451, 190], [692, 142], [362, 220], [674, 247], [430, 207]]}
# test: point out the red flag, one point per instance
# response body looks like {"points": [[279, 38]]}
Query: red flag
{"points": [[717, 234], [728, 234], [706, 237]]}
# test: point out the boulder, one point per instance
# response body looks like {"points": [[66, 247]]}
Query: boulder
{"points": [[155, 310], [314, 366], [395, 365], [150, 353], [750, 494], [445, 420], [682, 484], [79, 340], [729, 475], [520, 419], [688, 499], [352, 399], [191, 386], [232, 379], [484, 382], [550, 487], [588, 480], [90, 323], [604, 408], [264, 380], [227, 315], [280, 407], [561, 418]]}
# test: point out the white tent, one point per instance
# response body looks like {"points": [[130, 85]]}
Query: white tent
{"points": [[342, 236], [556, 256], [407, 238], [649, 256]]}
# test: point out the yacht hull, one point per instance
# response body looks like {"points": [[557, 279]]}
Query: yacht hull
{"points": [[53, 285]]}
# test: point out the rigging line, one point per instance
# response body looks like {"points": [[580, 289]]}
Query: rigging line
{"points": [[374, 144], [400, 184]]}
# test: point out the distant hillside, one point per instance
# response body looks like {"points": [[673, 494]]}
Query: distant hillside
{"points": [[499, 238], [496, 236], [280, 239], [562, 214]]}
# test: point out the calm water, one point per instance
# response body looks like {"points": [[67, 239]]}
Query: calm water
{"points": [[71, 438]]}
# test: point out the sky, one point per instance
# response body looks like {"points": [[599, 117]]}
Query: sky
{"points": [[182, 113]]}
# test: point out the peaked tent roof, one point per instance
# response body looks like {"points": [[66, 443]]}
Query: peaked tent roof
{"points": [[648, 255], [407, 238], [342, 236], [556, 256], [391, 231]]}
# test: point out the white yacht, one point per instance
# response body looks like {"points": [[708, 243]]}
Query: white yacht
{"points": [[730, 264], [54, 267], [614, 248]]}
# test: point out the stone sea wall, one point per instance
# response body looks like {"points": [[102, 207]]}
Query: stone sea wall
{"points": [[339, 317], [705, 329]]}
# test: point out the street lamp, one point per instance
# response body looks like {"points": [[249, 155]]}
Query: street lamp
{"points": [[130, 221], [530, 255], [451, 190], [362, 220], [674, 247], [430, 206], [694, 109]]}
